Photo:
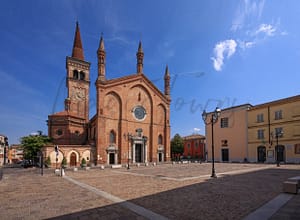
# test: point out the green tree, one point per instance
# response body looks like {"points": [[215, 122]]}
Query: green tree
{"points": [[177, 144], [33, 143], [83, 162], [64, 162]]}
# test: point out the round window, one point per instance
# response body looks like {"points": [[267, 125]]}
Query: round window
{"points": [[139, 113]]}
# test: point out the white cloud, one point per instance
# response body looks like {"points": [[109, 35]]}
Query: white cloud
{"points": [[246, 44], [196, 130], [247, 11], [267, 29], [222, 50]]}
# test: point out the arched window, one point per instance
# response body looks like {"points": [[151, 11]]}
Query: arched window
{"points": [[82, 75], [112, 137], [160, 139], [75, 74]]}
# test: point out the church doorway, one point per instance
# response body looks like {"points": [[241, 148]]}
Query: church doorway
{"points": [[111, 158], [138, 153], [73, 159], [261, 154], [160, 156]]}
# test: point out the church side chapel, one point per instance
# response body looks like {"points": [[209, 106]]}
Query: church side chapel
{"points": [[132, 120]]}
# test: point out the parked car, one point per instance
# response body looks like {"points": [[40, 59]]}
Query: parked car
{"points": [[26, 163]]}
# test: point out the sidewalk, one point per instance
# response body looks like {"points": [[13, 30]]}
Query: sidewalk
{"points": [[277, 208], [291, 210]]}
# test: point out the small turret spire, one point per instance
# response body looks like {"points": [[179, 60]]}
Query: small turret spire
{"points": [[77, 46], [140, 58], [140, 50], [101, 45], [167, 82], [101, 60]]}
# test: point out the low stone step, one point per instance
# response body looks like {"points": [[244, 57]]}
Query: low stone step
{"points": [[116, 166], [290, 187], [295, 179]]}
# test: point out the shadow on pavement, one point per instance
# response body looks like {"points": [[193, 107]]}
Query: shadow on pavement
{"points": [[228, 197]]}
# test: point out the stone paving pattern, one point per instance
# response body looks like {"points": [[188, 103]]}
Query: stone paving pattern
{"points": [[180, 191]]}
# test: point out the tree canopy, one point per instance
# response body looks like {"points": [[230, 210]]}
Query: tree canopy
{"points": [[33, 143], [177, 144]]}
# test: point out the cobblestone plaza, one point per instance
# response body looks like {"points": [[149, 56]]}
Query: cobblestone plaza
{"points": [[167, 191]]}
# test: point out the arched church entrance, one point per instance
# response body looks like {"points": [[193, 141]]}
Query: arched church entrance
{"points": [[112, 154], [111, 158], [73, 159], [138, 153], [139, 147], [160, 157], [160, 153]]}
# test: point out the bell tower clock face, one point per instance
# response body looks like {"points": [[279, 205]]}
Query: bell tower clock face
{"points": [[78, 94], [139, 113]]}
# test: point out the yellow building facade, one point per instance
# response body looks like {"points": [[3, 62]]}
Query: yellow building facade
{"points": [[275, 124], [230, 135]]}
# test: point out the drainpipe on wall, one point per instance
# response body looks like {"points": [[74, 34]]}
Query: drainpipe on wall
{"points": [[247, 153], [269, 125]]}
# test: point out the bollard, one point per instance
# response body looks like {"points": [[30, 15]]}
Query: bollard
{"points": [[1, 173]]}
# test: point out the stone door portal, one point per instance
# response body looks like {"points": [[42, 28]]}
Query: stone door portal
{"points": [[138, 153], [111, 158], [160, 157], [73, 160]]}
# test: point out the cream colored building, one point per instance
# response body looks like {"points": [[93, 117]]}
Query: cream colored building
{"points": [[230, 135], [264, 121]]}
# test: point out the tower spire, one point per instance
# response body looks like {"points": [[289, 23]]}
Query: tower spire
{"points": [[101, 60], [140, 57], [167, 82], [77, 46]]}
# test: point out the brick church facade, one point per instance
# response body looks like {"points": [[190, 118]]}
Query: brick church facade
{"points": [[132, 120]]}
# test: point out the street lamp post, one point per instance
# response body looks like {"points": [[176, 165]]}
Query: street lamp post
{"points": [[57, 153], [40, 154], [212, 120], [5, 149], [129, 138], [277, 135]]}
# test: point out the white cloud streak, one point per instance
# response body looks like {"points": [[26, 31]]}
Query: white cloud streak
{"points": [[247, 11], [222, 50], [266, 29], [245, 44], [246, 23]]}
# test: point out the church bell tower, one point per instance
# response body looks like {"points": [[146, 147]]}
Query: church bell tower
{"points": [[78, 80]]}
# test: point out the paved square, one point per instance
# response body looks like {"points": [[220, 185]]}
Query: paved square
{"points": [[179, 191]]}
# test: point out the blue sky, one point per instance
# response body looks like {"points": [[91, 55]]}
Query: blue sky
{"points": [[219, 52]]}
